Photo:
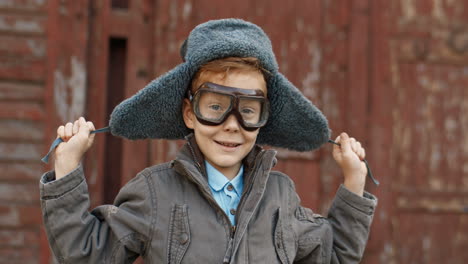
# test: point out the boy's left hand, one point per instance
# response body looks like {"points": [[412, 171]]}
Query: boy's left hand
{"points": [[350, 156]]}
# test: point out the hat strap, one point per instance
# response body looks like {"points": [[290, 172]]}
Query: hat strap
{"points": [[59, 140]]}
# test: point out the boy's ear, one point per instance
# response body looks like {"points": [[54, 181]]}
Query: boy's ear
{"points": [[188, 114]]}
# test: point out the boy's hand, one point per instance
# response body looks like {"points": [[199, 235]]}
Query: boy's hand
{"points": [[350, 156], [76, 141]]}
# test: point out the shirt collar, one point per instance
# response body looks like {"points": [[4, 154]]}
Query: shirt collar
{"points": [[217, 180]]}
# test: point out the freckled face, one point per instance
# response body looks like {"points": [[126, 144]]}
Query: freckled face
{"points": [[226, 145]]}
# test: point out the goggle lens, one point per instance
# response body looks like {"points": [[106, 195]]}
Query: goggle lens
{"points": [[250, 110], [214, 103], [213, 106]]}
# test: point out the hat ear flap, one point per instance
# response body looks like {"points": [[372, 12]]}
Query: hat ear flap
{"points": [[294, 123]]}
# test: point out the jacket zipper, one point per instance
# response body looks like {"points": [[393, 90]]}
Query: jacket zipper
{"points": [[243, 197], [228, 256], [232, 228], [213, 202]]}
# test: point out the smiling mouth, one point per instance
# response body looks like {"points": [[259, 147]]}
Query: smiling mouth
{"points": [[227, 144]]}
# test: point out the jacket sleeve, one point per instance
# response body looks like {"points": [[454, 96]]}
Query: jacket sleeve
{"points": [[108, 234], [342, 236]]}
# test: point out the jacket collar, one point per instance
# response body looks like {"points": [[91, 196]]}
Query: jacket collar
{"points": [[192, 158]]}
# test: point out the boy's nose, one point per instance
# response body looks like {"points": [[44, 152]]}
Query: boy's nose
{"points": [[231, 124]]}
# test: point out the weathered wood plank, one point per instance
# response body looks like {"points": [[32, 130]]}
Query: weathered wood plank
{"points": [[26, 69], [21, 151], [23, 5], [22, 24], [17, 130], [33, 47], [21, 171], [21, 110], [15, 90]]}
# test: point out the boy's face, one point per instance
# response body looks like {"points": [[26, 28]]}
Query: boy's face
{"points": [[225, 146]]}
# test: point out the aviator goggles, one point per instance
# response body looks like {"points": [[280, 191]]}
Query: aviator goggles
{"points": [[213, 104]]}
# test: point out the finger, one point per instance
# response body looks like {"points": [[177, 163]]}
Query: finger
{"points": [[353, 144], [362, 154], [90, 125], [91, 128], [358, 149], [345, 143], [61, 132], [337, 139], [83, 126], [91, 137], [68, 130], [75, 127]]}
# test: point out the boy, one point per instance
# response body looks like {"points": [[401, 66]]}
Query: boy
{"points": [[218, 201]]}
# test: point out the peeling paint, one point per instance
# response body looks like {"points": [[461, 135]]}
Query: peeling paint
{"points": [[432, 205], [284, 56], [70, 93], [300, 25], [38, 48], [329, 102], [409, 10], [173, 148], [388, 253], [24, 4], [311, 82], [9, 217], [18, 24], [31, 26], [12, 238], [187, 10], [20, 151], [426, 247], [438, 10]]}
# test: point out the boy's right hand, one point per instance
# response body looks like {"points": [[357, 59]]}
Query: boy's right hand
{"points": [[76, 141]]}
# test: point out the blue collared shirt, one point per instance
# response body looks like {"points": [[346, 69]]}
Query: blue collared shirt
{"points": [[226, 192]]}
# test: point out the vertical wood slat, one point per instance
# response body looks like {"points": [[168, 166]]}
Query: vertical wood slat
{"points": [[52, 53], [136, 153], [118, 51], [335, 38], [96, 108], [379, 130], [67, 27]]}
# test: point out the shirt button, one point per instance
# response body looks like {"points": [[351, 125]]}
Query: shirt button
{"points": [[233, 211], [183, 238], [230, 187]]}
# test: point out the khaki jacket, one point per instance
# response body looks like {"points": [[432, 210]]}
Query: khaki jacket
{"points": [[167, 215]]}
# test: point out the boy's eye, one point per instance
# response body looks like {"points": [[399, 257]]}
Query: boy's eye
{"points": [[248, 111], [215, 107]]}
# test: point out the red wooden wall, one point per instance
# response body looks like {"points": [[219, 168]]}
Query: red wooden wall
{"points": [[391, 73]]}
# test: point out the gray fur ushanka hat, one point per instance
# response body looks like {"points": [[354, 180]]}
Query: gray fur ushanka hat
{"points": [[156, 110]]}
